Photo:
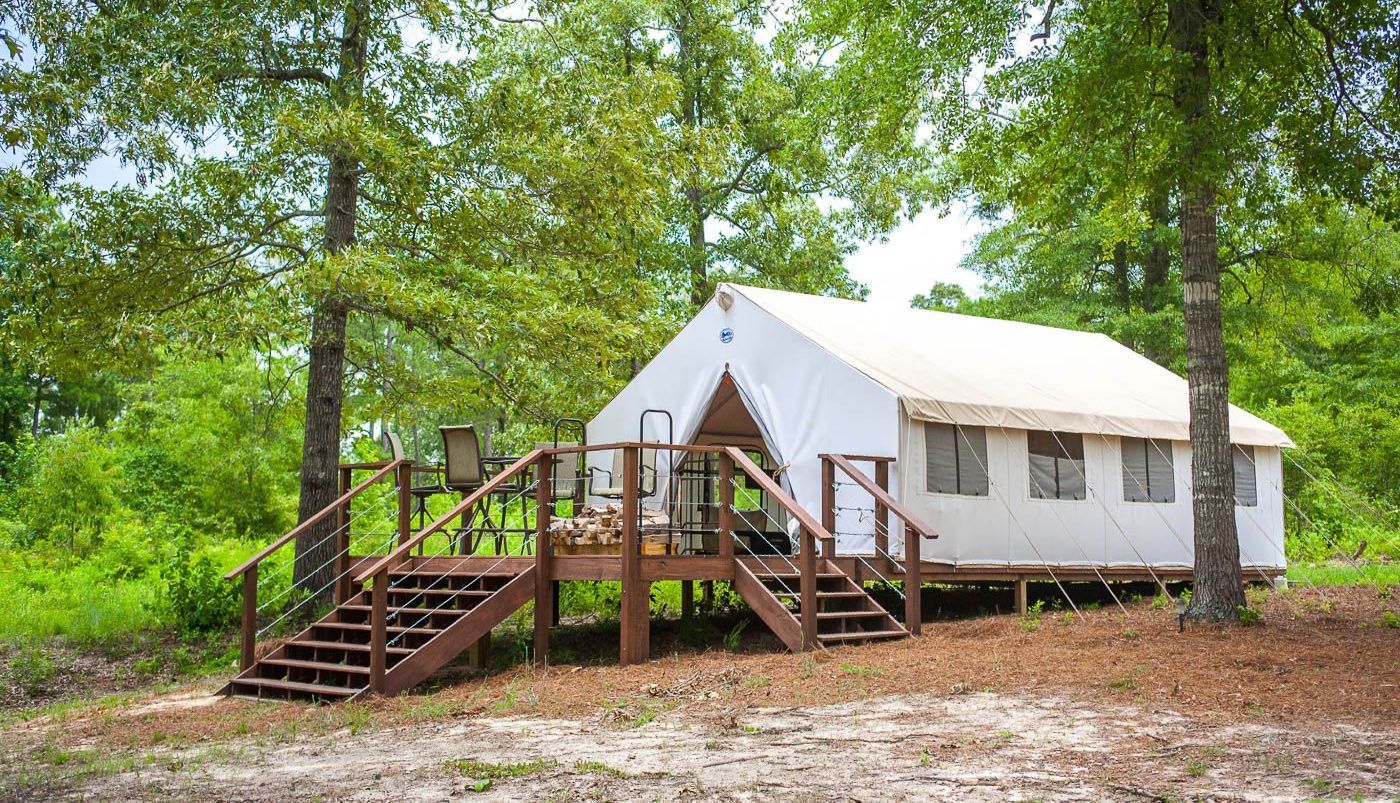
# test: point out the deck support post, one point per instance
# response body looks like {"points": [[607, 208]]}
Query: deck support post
{"points": [[378, 631], [1021, 596], [882, 518], [913, 582], [807, 583], [636, 596], [405, 479], [249, 640], [829, 507], [687, 599], [340, 592], [479, 653], [544, 557]]}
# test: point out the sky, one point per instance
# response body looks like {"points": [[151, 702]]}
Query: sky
{"points": [[924, 250]]}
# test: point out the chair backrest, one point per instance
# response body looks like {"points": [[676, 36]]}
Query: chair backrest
{"points": [[462, 457], [566, 473], [393, 445]]}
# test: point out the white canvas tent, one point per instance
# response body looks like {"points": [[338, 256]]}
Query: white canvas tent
{"points": [[819, 375]]}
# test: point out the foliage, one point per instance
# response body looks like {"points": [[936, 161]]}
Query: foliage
{"points": [[196, 598]]}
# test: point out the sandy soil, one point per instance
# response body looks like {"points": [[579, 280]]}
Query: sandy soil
{"points": [[1100, 707]]}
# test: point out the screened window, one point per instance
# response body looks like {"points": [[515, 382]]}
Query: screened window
{"points": [[1246, 486], [1056, 464], [955, 459], [1147, 470]]}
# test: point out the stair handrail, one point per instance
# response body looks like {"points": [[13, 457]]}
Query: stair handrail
{"points": [[248, 569], [316, 518], [396, 557], [811, 532], [913, 612]]}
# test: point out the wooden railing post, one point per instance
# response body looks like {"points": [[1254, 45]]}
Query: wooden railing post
{"points": [[249, 643], [405, 480], [882, 518], [913, 585], [378, 630], [726, 507], [636, 602], [807, 583], [340, 592], [544, 556], [828, 504]]}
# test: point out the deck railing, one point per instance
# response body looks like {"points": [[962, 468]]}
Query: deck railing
{"points": [[914, 528], [339, 560]]}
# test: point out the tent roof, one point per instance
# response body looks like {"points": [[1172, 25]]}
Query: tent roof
{"points": [[964, 369]]}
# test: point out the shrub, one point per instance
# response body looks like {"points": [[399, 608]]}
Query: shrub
{"points": [[195, 597], [31, 667]]}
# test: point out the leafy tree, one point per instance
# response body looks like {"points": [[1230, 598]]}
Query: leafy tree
{"points": [[764, 186], [297, 164], [943, 296], [1107, 105]]}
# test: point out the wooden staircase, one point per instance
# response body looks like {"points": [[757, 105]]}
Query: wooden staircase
{"points": [[845, 613], [431, 618]]}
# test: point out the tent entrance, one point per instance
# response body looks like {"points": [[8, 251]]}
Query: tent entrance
{"points": [[760, 524]]}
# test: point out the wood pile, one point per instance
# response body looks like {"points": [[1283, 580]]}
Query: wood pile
{"points": [[602, 525]]}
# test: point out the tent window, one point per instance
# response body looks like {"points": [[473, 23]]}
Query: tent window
{"points": [[955, 459], [1056, 464], [1246, 486], [1147, 470]]}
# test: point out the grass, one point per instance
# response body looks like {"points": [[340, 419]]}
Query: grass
{"points": [[1377, 574], [865, 671], [485, 770], [599, 768]]}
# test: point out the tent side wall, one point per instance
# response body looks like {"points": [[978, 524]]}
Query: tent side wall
{"points": [[805, 400], [1007, 526]]}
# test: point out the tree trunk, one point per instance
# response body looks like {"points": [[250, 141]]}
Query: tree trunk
{"points": [[699, 275], [314, 567], [1156, 265], [1219, 587], [1122, 279]]}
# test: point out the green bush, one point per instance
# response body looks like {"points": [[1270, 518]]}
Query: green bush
{"points": [[195, 597]]}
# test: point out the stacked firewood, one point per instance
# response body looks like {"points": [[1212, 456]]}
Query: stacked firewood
{"points": [[602, 524]]}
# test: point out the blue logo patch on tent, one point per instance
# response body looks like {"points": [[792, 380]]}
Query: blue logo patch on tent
{"points": [[726, 335]]}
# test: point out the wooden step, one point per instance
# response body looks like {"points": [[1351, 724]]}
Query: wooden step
{"points": [[862, 635], [303, 688], [410, 611], [434, 574], [796, 576], [850, 614], [823, 594], [439, 592], [295, 663], [425, 631], [344, 645]]}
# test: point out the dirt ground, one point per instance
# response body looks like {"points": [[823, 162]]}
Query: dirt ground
{"points": [[1099, 706]]}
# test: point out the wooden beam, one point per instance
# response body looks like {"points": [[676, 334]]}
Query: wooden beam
{"points": [[687, 599], [249, 641], [544, 554], [341, 590], [378, 633], [807, 588], [1021, 595], [636, 597], [882, 516], [829, 503], [725, 536]]}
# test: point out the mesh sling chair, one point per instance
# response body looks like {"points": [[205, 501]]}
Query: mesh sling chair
{"points": [[464, 473]]}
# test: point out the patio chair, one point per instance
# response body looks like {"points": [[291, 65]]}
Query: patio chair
{"points": [[566, 484], [609, 484]]}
